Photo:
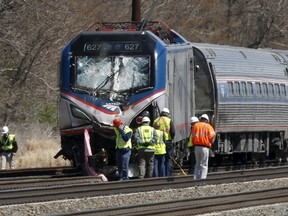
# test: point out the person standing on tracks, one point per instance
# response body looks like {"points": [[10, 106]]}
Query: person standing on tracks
{"points": [[160, 151], [9, 148], [190, 146], [146, 137], [202, 137], [167, 126], [123, 147], [145, 113]]}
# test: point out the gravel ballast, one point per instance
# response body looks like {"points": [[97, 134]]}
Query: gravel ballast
{"points": [[66, 206]]}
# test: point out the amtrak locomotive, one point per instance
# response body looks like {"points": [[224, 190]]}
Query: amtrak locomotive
{"points": [[125, 69]]}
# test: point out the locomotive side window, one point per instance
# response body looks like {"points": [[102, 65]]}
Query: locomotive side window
{"points": [[230, 89]]}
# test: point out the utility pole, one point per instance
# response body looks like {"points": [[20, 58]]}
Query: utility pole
{"points": [[136, 10]]}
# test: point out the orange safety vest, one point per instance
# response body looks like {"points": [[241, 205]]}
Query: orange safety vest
{"points": [[202, 134]]}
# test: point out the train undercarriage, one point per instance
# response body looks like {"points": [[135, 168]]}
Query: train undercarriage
{"points": [[240, 149], [232, 148], [255, 147], [102, 158]]}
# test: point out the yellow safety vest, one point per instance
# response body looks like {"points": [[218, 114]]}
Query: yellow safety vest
{"points": [[8, 143], [160, 145], [190, 143], [164, 122], [146, 135], [120, 143]]}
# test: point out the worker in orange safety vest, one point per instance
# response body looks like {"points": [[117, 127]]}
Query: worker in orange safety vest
{"points": [[202, 137], [190, 145]]}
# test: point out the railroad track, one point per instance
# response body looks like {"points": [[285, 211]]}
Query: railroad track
{"points": [[195, 206], [39, 172], [90, 187], [228, 167], [25, 183]]}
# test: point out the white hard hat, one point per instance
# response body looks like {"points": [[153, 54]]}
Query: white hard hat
{"points": [[165, 110], [194, 119], [5, 130], [205, 116], [145, 119]]}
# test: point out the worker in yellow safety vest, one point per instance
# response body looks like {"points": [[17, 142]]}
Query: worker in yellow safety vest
{"points": [[167, 126], [9, 148], [145, 137], [160, 151], [123, 147]]}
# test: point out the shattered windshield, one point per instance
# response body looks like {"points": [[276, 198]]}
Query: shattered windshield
{"points": [[116, 73]]}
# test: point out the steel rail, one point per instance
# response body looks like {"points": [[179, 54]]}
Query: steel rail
{"points": [[92, 189]]}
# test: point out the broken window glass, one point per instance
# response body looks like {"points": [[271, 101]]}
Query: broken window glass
{"points": [[115, 73]]}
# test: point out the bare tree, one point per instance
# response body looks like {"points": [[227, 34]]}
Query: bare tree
{"points": [[33, 32], [31, 37]]}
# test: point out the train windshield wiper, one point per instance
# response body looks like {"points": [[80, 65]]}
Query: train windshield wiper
{"points": [[143, 89], [80, 90], [105, 81]]}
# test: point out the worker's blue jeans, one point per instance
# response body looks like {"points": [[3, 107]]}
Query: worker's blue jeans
{"points": [[159, 166], [122, 158], [168, 161]]}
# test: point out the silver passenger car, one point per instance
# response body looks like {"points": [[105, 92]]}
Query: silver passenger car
{"points": [[251, 99]]}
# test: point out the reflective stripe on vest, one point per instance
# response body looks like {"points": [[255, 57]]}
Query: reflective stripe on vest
{"points": [[203, 134], [120, 143], [146, 133]]}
